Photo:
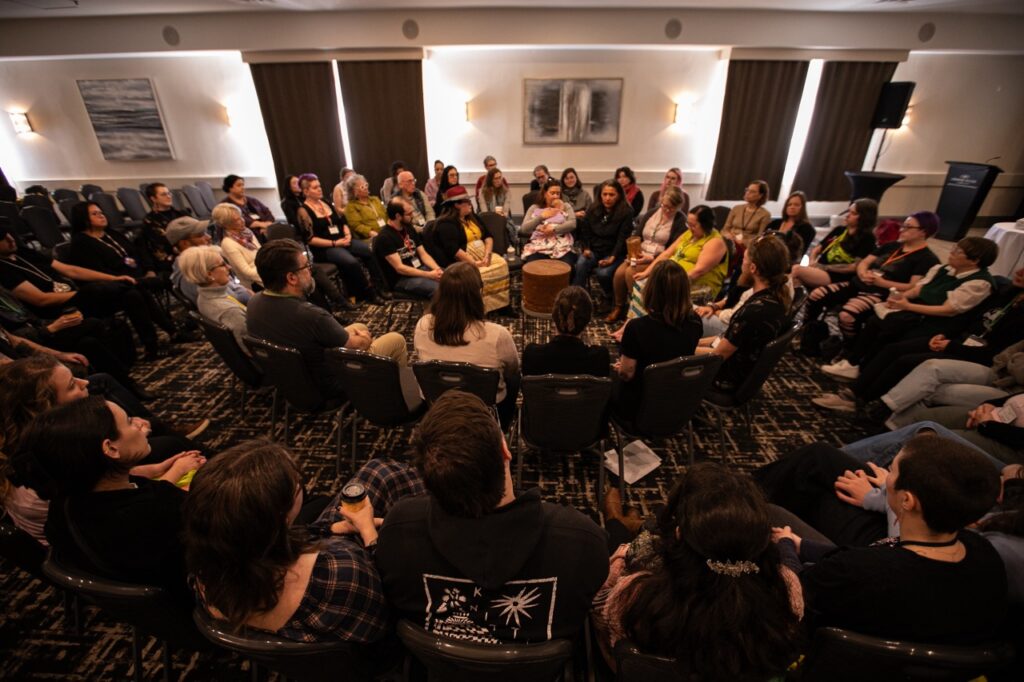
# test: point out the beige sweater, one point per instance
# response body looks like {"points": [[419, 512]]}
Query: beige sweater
{"points": [[489, 345]]}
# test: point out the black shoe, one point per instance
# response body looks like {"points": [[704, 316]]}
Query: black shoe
{"points": [[184, 336], [343, 305], [385, 295], [374, 299]]}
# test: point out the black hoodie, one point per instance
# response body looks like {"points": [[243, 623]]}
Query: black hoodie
{"points": [[526, 572]]}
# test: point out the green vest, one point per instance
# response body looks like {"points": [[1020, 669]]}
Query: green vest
{"points": [[935, 291]]}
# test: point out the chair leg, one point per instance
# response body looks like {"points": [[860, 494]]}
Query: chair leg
{"points": [[689, 430], [244, 401], [355, 440], [600, 476], [622, 466], [515, 432], [136, 655], [750, 421], [273, 417], [287, 423]]}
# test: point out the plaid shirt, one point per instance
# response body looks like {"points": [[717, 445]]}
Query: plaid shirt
{"points": [[386, 482]]}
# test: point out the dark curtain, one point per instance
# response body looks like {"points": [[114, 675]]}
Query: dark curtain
{"points": [[384, 112], [762, 99], [300, 113], [841, 128]]}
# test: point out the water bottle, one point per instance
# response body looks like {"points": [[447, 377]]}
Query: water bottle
{"points": [[510, 253]]}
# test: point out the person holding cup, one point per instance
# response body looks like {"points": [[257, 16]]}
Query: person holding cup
{"points": [[655, 231]]}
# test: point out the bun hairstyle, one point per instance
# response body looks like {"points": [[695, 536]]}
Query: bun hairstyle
{"points": [[771, 258], [573, 310]]}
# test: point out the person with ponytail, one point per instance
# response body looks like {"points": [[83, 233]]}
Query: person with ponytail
{"points": [[566, 352], [761, 319], [707, 587]]}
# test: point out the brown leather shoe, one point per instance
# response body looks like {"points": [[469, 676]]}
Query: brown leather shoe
{"points": [[612, 504], [615, 315], [191, 429]]}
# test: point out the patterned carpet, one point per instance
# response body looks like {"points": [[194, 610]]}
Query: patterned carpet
{"points": [[36, 642]]}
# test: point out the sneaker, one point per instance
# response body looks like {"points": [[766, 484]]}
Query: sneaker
{"points": [[191, 429], [842, 370], [831, 401]]}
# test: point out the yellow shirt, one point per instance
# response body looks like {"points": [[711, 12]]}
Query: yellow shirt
{"points": [[687, 253]]}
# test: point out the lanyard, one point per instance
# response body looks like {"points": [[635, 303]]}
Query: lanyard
{"points": [[31, 269], [109, 242], [899, 254]]}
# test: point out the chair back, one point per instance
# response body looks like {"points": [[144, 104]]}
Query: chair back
{"points": [[285, 369], [635, 666], [133, 203], [206, 192], [63, 193], [145, 607], [494, 227], [44, 225], [672, 392], [437, 376], [178, 200], [455, 660], [62, 252], [799, 301], [21, 230], [195, 199], [65, 206], [563, 413], [373, 384], [302, 661], [38, 200], [109, 207], [721, 213], [765, 365], [224, 343], [281, 231], [839, 655], [529, 199], [88, 190], [21, 549]]}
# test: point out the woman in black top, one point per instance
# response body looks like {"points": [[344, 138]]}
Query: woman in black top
{"points": [[330, 239], [449, 179], [626, 179], [95, 248], [669, 330], [602, 236], [835, 258], [566, 353], [292, 199], [761, 319], [106, 516], [794, 219]]}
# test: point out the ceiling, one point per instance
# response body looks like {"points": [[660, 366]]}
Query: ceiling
{"points": [[34, 9]]}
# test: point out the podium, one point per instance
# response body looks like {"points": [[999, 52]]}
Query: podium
{"points": [[870, 184], [966, 186]]}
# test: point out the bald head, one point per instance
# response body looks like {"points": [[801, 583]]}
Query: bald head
{"points": [[407, 182]]}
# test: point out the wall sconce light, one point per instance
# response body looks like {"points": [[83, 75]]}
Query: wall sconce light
{"points": [[906, 117], [19, 120], [467, 110], [675, 112]]}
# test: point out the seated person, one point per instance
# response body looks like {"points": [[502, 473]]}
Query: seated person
{"points": [[602, 236], [455, 330], [471, 559], [103, 518], [951, 583], [702, 253], [154, 226], [898, 266], [205, 267], [281, 314], [406, 265], [748, 220], [941, 302], [655, 230], [291, 199], [707, 587], [189, 233], [835, 258], [574, 193], [549, 224], [794, 219], [33, 385], [95, 247], [255, 568], [626, 179], [673, 178], [238, 244], [566, 352], [340, 194], [669, 330], [458, 236], [422, 208], [761, 319], [329, 238], [255, 213], [363, 213]]}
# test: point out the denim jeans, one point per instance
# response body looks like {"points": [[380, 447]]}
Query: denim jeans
{"points": [[416, 286], [944, 381], [605, 274], [883, 448]]}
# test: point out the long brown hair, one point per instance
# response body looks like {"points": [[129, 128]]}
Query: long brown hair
{"points": [[458, 304], [667, 293], [487, 191], [27, 392], [771, 258]]}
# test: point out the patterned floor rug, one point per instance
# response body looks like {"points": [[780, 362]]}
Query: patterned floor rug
{"points": [[36, 642]]}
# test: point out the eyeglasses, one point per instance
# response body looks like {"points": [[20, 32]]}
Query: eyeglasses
{"points": [[221, 264], [908, 226], [307, 266]]}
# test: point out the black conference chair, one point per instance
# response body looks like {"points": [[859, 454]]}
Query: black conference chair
{"points": [[12, 215], [179, 201], [242, 367], [301, 661], [285, 370], [21, 549], [799, 301], [634, 665], [280, 231], [437, 376], [88, 190], [195, 200], [529, 199], [62, 252], [206, 192], [456, 660], [133, 202], [742, 396], [65, 206], [63, 193], [721, 213], [563, 414], [146, 608], [44, 225], [495, 227], [37, 200], [115, 219], [377, 390], [672, 393], [839, 655]]}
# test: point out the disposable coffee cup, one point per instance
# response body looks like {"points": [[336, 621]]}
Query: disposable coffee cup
{"points": [[353, 496]]}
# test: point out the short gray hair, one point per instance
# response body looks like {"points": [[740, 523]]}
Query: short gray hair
{"points": [[350, 184], [489, 158], [223, 214], [195, 263]]}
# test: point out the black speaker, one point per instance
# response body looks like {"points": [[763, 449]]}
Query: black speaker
{"points": [[892, 105]]}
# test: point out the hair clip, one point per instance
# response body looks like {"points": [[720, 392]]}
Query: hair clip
{"points": [[733, 569]]}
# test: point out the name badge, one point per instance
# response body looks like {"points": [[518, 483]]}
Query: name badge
{"points": [[381, 222], [333, 229], [415, 261], [973, 341], [254, 216], [129, 261]]}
